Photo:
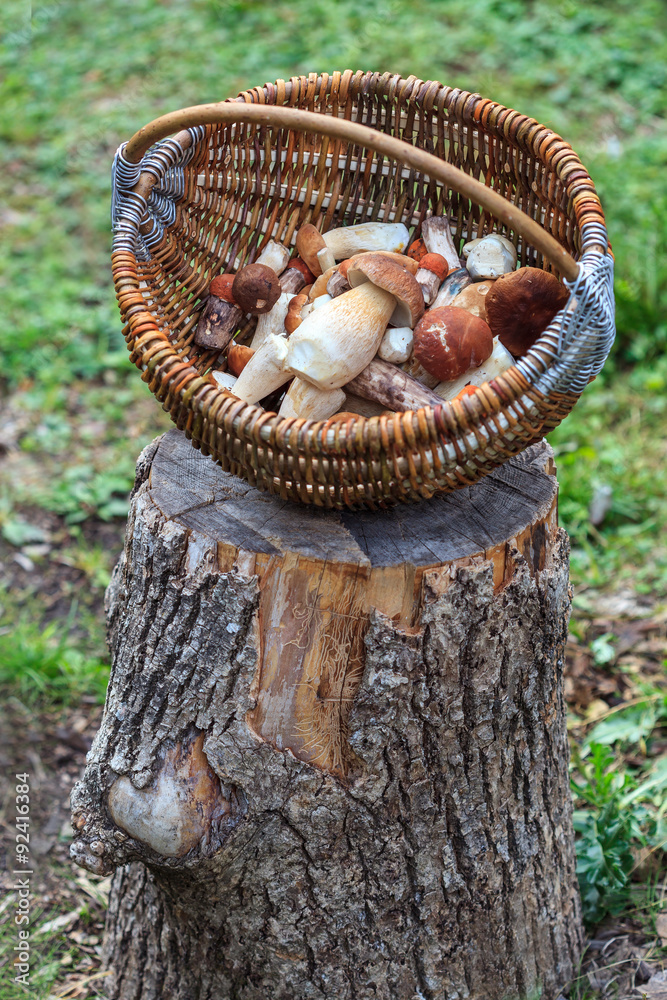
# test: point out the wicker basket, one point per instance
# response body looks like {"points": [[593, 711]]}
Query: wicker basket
{"points": [[336, 150]]}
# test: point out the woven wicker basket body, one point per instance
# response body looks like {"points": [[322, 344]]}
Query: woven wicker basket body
{"points": [[256, 168]]}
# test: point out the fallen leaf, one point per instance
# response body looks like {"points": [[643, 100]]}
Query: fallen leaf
{"points": [[59, 923]]}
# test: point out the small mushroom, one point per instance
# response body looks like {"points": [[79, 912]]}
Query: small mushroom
{"points": [[220, 315], [490, 256], [238, 356], [417, 249], [309, 243], [272, 321], [296, 277], [396, 345], [334, 343], [293, 316], [452, 286], [275, 255], [264, 372], [450, 341], [303, 399], [393, 278], [499, 361], [437, 236], [521, 305], [256, 289], [433, 269], [473, 298], [367, 236]]}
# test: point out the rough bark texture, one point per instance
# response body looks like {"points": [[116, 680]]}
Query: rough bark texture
{"points": [[333, 761]]}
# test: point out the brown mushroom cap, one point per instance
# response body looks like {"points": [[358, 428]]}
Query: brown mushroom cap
{"points": [[392, 277], [256, 289], [308, 241], [238, 356], [451, 341], [293, 317], [520, 306], [473, 298]]}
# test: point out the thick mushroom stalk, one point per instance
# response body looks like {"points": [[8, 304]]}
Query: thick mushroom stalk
{"points": [[272, 322], [303, 399], [391, 388], [367, 236], [334, 343], [265, 372]]}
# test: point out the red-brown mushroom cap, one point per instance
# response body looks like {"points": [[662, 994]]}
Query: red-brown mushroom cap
{"points": [[392, 277], [451, 341], [256, 289], [308, 241], [520, 306]]}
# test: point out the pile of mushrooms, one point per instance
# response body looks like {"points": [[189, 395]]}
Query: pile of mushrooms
{"points": [[360, 322]]}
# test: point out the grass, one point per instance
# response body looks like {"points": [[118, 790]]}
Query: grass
{"points": [[77, 78]]}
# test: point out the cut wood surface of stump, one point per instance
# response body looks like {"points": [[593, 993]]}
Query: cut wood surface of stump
{"points": [[333, 761]]}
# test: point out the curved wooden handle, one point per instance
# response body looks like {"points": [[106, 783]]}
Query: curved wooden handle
{"points": [[228, 112]]}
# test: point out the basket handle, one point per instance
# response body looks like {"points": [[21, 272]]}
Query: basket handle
{"points": [[228, 112]]}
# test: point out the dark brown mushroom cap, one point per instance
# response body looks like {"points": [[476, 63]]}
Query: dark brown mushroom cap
{"points": [[382, 271], [256, 289], [450, 341], [520, 306]]}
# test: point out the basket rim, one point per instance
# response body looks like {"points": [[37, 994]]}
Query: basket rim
{"points": [[170, 374]]}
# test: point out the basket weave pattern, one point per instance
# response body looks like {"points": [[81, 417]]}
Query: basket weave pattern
{"points": [[220, 192]]}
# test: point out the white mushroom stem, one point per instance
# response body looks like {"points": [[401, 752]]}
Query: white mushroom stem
{"points": [[437, 236], [347, 241], [272, 322], [452, 286], [306, 400], [392, 388], [414, 368], [336, 342], [275, 256], [265, 372], [321, 300], [326, 258], [396, 345], [499, 361], [225, 380]]}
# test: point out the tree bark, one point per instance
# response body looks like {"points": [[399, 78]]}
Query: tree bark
{"points": [[333, 761]]}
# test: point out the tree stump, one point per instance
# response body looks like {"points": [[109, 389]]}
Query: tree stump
{"points": [[333, 761]]}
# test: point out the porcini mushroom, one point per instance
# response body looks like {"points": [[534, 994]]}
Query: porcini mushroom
{"points": [[500, 360], [264, 372], [337, 284], [334, 343], [521, 305], [350, 240], [238, 356], [433, 269], [309, 244], [256, 289], [293, 317], [296, 277], [274, 255], [489, 257], [450, 341], [388, 275], [303, 399], [220, 315], [437, 236]]}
